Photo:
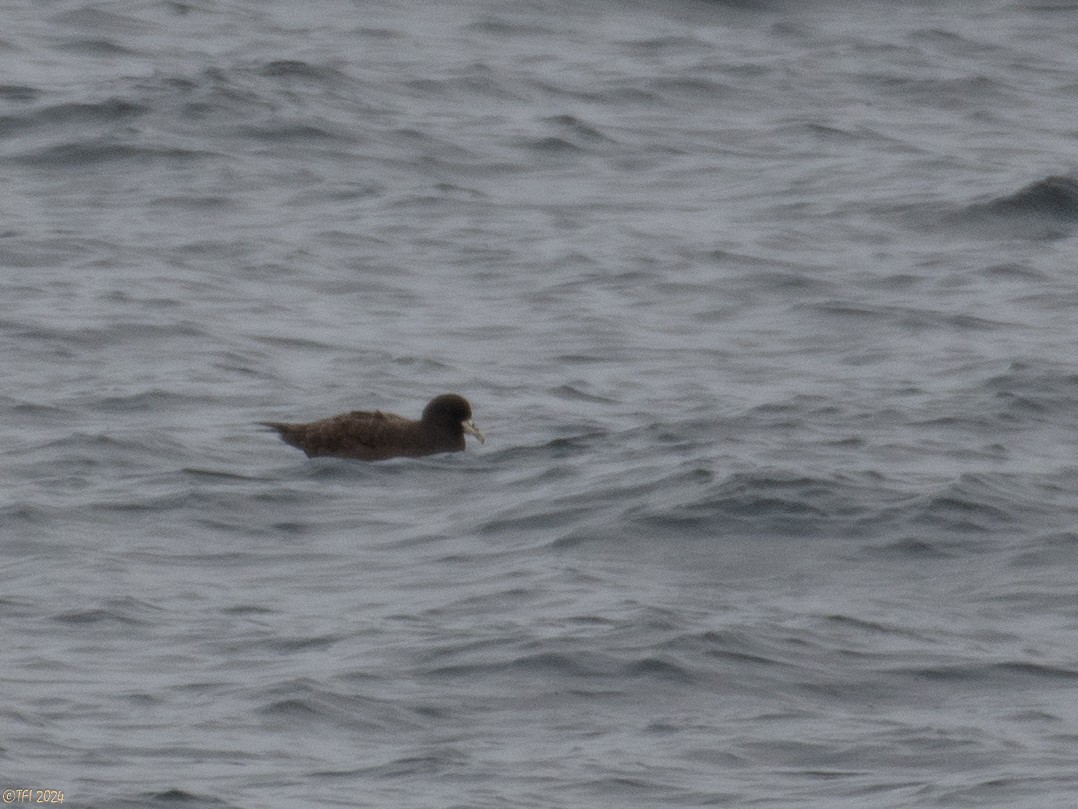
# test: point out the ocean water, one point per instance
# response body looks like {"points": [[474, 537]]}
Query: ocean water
{"points": [[769, 311]]}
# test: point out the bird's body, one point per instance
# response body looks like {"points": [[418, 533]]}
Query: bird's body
{"points": [[376, 436]]}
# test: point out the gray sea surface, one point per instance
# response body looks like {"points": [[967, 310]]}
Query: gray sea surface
{"points": [[769, 311]]}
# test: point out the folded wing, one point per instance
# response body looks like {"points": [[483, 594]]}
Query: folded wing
{"points": [[361, 434]]}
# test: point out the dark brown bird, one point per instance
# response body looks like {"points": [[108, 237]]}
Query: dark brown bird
{"points": [[376, 436]]}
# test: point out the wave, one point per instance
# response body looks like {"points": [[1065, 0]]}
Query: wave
{"points": [[89, 153], [1055, 197], [1047, 208], [126, 611], [1006, 673], [914, 516]]}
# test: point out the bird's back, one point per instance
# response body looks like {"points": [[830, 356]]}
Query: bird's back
{"points": [[361, 434]]}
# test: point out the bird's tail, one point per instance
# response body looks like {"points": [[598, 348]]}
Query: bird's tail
{"points": [[288, 432]]}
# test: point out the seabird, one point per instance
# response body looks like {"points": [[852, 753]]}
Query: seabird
{"points": [[376, 436]]}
